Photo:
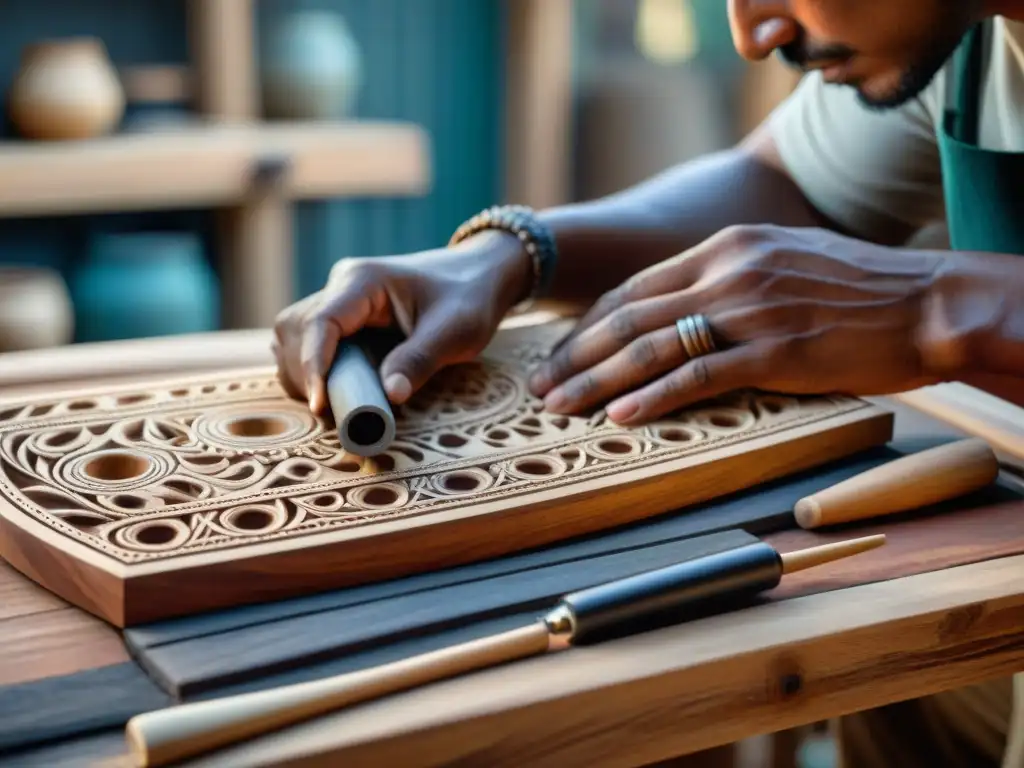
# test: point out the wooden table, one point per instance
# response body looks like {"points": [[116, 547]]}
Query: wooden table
{"points": [[632, 702]]}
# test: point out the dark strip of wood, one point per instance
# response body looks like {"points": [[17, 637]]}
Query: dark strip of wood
{"points": [[104, 749], [759, 511], [206, 662], [71, 705]]}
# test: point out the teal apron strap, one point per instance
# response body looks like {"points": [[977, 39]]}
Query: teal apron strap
{"points": [[963, 88]]}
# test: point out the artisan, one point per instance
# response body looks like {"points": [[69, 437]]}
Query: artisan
{"points": [[786, 263]]}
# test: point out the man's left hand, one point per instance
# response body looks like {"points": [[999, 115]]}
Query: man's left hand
{"points": [[799, 311]]}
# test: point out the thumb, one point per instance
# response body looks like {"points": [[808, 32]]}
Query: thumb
{"points": [[439, 339]]}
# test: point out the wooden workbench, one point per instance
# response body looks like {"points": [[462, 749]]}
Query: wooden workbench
{"points": [[829, 646]]}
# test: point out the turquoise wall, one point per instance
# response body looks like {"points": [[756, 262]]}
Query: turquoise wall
{"points": [[437, 63]]}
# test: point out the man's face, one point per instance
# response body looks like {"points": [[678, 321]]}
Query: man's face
{"points": [[888, 50]]}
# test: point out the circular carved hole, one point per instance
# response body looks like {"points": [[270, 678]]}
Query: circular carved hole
{"points": [[257, 426], [133, 399], [561, 422], [61, 438], [155, 534], [366, 428], [725, 420], [615, 446], [117, 466], [675, 435], [252, 520], [324, 500], [449, 440], [498, 434], [771, 405], [127, 501], [461, 482], [81, 405], [208, 389], [384, 462], [534, 467], [179, 392], [303, 470], [380, 497], [349, 466]]}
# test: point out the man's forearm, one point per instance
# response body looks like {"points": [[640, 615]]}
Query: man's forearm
{"points": [[603, 242]]}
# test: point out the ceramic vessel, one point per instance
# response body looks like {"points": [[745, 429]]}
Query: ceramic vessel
{"points": [[35, 309], [310, 67], [145, 284], [65, 89]]}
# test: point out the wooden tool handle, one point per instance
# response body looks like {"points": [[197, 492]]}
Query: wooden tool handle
{"points": [[169, 735], [803, 559], [910, 482]]}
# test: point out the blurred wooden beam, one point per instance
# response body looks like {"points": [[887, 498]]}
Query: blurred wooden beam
{"points": [[223, 52], [539, 76]]}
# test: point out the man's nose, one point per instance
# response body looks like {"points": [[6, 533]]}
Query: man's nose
{"points": [[760, 26]]}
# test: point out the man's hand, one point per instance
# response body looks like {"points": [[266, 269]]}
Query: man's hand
{"points": [[791, 310], [448, 302]]}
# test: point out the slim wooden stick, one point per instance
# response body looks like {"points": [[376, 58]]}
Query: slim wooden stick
{"points": [[167, 736], [827, 553]]}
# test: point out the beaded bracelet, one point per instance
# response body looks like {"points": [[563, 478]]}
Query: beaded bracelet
{"points": [[521, 221]]}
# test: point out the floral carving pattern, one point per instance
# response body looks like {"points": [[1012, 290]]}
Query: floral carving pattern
{"points": [[231, 461]]}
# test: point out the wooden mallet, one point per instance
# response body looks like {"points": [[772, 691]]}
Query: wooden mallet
{"points": [[666, 595]]}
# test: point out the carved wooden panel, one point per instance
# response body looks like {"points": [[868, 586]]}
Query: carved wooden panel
{"points": [[203, 493]]}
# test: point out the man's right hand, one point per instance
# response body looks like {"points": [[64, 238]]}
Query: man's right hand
{"points": [[448, 302]]}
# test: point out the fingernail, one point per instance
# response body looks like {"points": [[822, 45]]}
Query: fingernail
{"points": [[398, 388], [314, 398], [539, 382], [555, 399], [622, 410]]}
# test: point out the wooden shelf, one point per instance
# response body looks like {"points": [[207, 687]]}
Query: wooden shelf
{"points": [[211, 165]]}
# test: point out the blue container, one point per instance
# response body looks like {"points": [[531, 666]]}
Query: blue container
{"points": [[144, 284]]}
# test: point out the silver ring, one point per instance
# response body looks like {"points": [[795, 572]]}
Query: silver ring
{"points": [[695, 334]]}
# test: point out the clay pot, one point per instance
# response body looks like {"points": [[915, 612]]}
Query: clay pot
{"points": [[310, 67], [66, 89], [35, 309], [144, 284]]}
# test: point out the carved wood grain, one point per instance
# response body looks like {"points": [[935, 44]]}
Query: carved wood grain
{"points": [[130, 502]]}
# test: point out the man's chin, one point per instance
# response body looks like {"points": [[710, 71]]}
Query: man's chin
{"points": [[908, 88], [886, 101]]}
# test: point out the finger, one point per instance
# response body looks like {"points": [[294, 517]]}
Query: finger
{"points": [[344, 313], [699, 379], [287, 340], [673, 274], [286, 383], [635, 364], [608, 336], [441, 337]]}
